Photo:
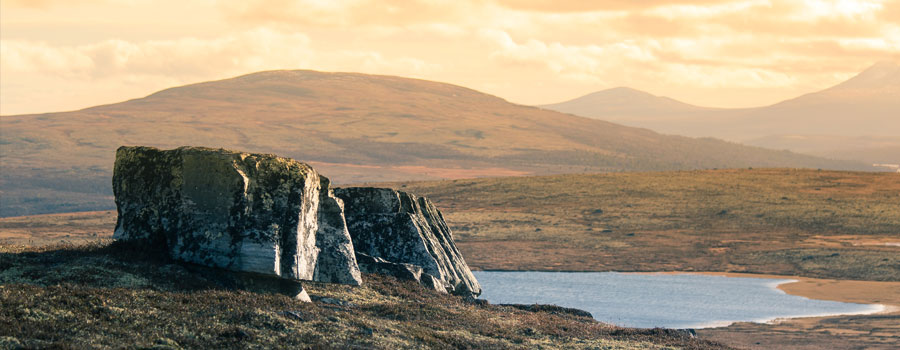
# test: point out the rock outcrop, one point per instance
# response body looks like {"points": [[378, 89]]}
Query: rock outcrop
{"points": [[336, 262], [245, 212], [271, 216], [401, 228]]}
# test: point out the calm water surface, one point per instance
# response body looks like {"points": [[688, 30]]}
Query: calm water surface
{"points": [[658, 300]]}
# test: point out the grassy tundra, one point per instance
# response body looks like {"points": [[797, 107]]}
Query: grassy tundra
{"points": [[792, 222], [788, 222]]}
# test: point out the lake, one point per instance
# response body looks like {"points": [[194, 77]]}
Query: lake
{"points": [[660, 300]]}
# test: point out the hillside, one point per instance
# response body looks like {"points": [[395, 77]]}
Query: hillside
{"points": [[629, 107], [351, 127], [117, 296], [856, 119]]}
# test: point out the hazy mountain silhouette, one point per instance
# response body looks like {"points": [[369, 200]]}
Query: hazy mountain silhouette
{"points": [[622, 103], [857, 119], [353, 127]]}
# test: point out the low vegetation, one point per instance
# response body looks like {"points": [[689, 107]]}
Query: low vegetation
{"points": [[811, 223], [790, 222], [113, 295], [793, 222]]}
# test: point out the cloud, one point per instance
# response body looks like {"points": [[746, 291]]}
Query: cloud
{"points": [[182, 58], [376, 63], [622, 63], [528, 51], [568, 6], [348, 13], [122, 69], [43, 4], [38, 76], [563, 59]]}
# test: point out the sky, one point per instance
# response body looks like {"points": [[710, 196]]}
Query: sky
{"points": [[58, 55]]}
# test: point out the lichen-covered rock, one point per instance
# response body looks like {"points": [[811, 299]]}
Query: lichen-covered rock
{"points": [[244, 212], [402, 228], [337, 262]]}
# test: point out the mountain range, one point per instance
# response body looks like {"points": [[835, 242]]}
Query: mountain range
{"points": [[351, 127], [858, 119]]}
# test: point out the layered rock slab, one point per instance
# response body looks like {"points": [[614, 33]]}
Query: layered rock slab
{"points": [[398, 227], [245, 212]]}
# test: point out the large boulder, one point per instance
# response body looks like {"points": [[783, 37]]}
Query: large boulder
{"points": [[398, 227], [245, 212], [336, 262]]}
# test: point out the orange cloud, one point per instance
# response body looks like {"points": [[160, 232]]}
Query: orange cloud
{"points": [[708, 52], [557, 6], [43, 4]]}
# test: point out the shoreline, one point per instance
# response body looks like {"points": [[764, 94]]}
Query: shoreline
{"points": [[849, 291], [886, 293], [885, 296], [881, 309], [866, 297], [876, 330], [874, 308]]}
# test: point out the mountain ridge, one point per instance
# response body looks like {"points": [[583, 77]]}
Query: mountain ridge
{"points": [[354, 127], [862, 106]]}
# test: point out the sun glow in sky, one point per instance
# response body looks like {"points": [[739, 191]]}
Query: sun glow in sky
{"points": [[60, 55]]}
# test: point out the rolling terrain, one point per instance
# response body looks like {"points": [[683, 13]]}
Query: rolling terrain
{"points": [[351, 127], [826, 224], [834, 231], [856, 119], [111, 295]]}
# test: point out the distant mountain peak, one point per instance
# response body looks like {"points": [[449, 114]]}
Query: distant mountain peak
{"points": [[880, 75], [618, 101], [618, 92], [624, 90], [882, 67]]}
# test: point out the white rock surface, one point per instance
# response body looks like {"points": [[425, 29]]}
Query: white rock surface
{"points": [[244, 212]]}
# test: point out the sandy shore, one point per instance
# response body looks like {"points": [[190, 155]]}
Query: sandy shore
{"points": [[850, 291], [870, 331]]}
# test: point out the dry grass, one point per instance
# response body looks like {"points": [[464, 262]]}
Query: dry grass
{"points": [[115, 295], [831, 225], [41, 230], [790, 222], [780, 221]]}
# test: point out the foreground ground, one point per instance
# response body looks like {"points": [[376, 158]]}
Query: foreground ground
{"points": [[813, 224], [113, 295]]}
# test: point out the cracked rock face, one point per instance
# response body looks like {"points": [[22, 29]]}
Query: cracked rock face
{"points": [[399, 227], [336, 262], [244, 212]]}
